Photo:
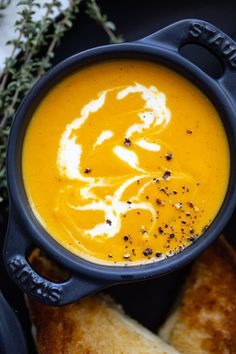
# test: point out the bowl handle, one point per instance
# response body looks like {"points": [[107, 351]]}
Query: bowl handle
{"points": [[200, 32], [16, 248]]}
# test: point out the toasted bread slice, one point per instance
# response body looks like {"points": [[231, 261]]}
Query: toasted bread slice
{"points": [[204, 320], [93, 325]]}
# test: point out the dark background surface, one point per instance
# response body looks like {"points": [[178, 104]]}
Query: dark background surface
{"points": [[148, 302]]}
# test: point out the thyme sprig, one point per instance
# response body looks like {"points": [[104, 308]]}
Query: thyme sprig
{"points": [[94, 12], [32, 54], [21, 72]]}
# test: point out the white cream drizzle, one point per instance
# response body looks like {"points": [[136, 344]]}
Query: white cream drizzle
{"points": [[144, 144], [157, 114], [69, 153], [105, 135], [154, 113], [127, 156]]}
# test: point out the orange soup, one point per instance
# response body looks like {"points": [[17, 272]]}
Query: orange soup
{"points": [[125, 162]]}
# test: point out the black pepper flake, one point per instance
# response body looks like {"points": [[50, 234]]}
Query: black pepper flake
{"points": [[189, 131], [184, 222], [191, 238], [159, 201], [110, 255], [147, 197], [133, 251], [172, 235], [168, 156], [127, 142], [87, 170], [188, 213], [129, 202], [126, 238], [175, 192], [191, 230], [190, 204], [166, 175], [158, 254], [126, 256], [108, 222], [138, 212], [147, 252], [160, 230]]}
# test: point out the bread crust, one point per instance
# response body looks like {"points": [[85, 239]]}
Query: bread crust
{"points": [[205, 319], [95, 325]]}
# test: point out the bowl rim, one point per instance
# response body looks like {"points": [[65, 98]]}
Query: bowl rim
{"points": [[20, 210]]}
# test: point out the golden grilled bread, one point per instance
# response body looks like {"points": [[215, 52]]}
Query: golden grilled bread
{"points": [[93, 325], [204, 321]]}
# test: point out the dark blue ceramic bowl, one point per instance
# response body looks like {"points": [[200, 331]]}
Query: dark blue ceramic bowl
{"points": [[24, 232], [11, 336]]}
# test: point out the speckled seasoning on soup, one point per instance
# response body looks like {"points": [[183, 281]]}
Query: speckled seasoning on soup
{"points": [[125, 162]]}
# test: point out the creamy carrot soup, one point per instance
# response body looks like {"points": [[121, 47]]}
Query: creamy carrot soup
{"points": [[125, 162]]}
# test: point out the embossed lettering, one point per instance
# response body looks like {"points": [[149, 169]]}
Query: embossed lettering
{"points": [[216, 40], [208, 32], [55, 295], [227, 47], [29, 280], [233, 62], [196, 29], [16, 265]]}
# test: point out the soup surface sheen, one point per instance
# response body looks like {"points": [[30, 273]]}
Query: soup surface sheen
{"points": [[125, 161]]}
